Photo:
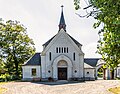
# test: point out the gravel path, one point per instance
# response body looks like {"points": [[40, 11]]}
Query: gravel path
{"points": [[89, 87]]}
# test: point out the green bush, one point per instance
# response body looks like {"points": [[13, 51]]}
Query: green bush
{"points": [[117, 78], [5, 77]]}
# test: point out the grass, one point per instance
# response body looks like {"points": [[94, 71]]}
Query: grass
{"points": [[115, 90], [2, 89]]}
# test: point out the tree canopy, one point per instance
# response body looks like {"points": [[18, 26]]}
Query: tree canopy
{"points": [[107, 14], [15, 46]]}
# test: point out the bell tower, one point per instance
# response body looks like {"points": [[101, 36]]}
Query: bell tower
{"points": [[62, 21]]}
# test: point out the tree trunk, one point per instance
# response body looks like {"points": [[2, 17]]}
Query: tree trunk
{"points": [[16, 65], [16, 71], [112, 74]]}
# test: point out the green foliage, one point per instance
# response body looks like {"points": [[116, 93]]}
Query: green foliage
{"points": [[76, 3], [109, 43], [5, 77], [16, 46], [107, 13], [100, 71]]}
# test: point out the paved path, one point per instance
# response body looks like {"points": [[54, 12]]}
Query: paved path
{"points": [[89, 87]]}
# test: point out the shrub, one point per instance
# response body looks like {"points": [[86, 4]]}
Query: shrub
{"points": [[5, 77]]}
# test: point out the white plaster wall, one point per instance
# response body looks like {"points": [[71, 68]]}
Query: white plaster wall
{"points": [[91, 73], [27, 71], [63, 40], [43, 67], [108, 74], [118, 72]]}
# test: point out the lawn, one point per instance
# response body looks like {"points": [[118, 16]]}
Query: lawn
{"points": [[115, 90], [2, 89]]}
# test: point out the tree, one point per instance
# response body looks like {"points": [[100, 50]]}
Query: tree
{"points": [[16, 46], [107, 13]]}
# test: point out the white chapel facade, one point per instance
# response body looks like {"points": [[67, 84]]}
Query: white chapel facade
{"points": [[62, 58]]}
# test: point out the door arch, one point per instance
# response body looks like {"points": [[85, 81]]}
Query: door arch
{"points": [[57, 63]]}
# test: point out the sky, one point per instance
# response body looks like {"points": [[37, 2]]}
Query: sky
{"points": [[41, 18]]}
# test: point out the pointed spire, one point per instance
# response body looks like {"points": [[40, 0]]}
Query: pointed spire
{"points": [[62, 21]]}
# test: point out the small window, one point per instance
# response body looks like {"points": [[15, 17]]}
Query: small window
{"points": [[74, 56], [67, 49], [50, 56], [64, 50], [34, 72], [57, 50], [87, 72]]}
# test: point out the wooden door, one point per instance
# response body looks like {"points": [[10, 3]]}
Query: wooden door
{"points": [[62, 73]]}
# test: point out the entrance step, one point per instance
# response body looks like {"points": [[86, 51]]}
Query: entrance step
{"points": [[62, 81]]}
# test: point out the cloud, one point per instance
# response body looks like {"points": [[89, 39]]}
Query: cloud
{"points": [[90, 50], [41, 17]]}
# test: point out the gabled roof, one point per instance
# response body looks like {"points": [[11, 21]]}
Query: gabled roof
{"points": [[88, 66], [91, 61], [62, 25], [34, 60], [75, 41], [45, 44]]}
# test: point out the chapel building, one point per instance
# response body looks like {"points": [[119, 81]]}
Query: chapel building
{"points": [[62, 58]]}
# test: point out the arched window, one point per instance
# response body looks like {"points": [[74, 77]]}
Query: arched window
{"points": [[50, 56], [74, 56], [62, 63]]}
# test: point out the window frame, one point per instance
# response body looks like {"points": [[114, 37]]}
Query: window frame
{"points": [[34, 72]]}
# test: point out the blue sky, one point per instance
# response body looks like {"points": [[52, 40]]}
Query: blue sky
{"points": [[41, 18]]}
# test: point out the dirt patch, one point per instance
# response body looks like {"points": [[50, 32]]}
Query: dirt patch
{"points": [[89, 87]]}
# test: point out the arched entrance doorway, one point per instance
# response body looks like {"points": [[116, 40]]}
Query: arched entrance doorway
{"points": [[101, 72], [62, 70], [62, 63]]}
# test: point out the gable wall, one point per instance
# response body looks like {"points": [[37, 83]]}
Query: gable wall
{"points": [[62, 40], [118, 71]]}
